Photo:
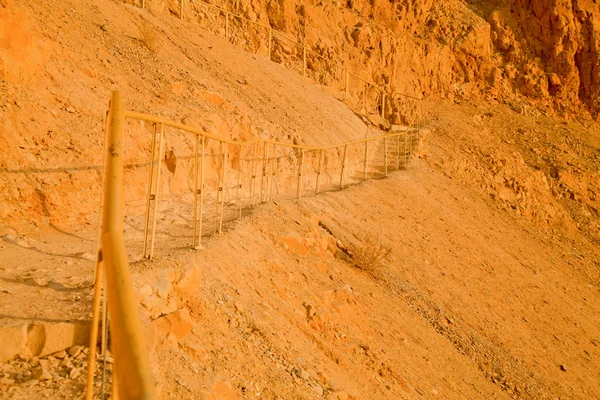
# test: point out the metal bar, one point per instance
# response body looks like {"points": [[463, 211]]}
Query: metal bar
{"points": [[301, 170], [223, 185], [149, 187], [385, 156], [195, 213], [405, 150], [366, 159], [201, 196], [321, 155], [264, 172], [270, 40], [343, 166], [128, 345], [157, 189], [89, 391]]}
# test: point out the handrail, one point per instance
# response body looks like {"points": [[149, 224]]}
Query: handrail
{"points": [[177, 125], [131, 372]]}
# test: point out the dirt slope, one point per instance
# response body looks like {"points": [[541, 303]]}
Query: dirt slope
{"points": [[490, 289]]}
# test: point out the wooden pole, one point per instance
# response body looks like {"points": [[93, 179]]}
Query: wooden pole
{"points": [[157, 189], [180, 9], [366, 159], [149, 186], [301, 169], [195, 213], [343, 166], [321, 155], [143, 4], [385, 156], [270, 40], [201, 195], [223, 185], [382, 104]]}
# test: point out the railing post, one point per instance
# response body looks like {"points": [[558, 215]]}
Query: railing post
{"points": [[300, 171], [398, 153], [346, 85], [149, 187], [219, 193], [180, 9], [273, 169], [270, 40], [156, 190], [264, 172], [238, 186], [227, 26], [304, 60], [223, 185], [143, 4], [201, 194], [252, 189], [131, 366], [385, 155], [366, 159], [343, 166], [321, 155], [196, 170], [382, 104]]}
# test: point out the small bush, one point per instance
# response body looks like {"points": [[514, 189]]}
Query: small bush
{"points": [[369, 254]]}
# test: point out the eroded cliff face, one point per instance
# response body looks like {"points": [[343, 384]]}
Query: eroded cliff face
{"points": [[534, 55]]}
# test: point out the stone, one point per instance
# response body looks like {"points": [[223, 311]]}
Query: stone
{"points": [[49, 338], [177, 324], [34, 362], [60, 354], [190, 282], [75, 350], [74, 373], [318, 390], [342, 395], [13, 339], [146, 290], [163, 287], [41, 374]]}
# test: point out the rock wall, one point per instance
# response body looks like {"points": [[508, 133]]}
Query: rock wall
{"points": [[514, 51]]}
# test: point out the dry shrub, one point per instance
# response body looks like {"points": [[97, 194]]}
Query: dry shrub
{"points": [[149, 36], [369, 254]]}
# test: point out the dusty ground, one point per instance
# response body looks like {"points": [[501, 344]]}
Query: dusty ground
{"points": [[490, 288]]}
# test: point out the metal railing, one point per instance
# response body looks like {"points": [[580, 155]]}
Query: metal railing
{"points": [[131, 373], [383, 94]]}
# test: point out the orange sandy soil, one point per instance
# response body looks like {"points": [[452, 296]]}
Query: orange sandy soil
{"points": [[490, 290]]}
